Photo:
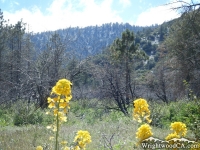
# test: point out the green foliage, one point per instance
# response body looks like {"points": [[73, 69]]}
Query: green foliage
{"points": [[184, 111], [91, 111], [21, 113], [85, 109], [5, 118], [22, 117], [160, 114], [189, 114]]}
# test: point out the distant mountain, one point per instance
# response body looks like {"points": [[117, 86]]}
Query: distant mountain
{"points": [[87, 41]]}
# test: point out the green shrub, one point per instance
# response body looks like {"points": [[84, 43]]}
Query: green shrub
{"points": [[5, 117], [184, 111], [189, 113], [24, 113], [159, 114]]}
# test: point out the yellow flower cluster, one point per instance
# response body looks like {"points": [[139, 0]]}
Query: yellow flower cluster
{"points": [[63, 87], [171, 136], [144, 132], [179, 129], [141, 110], [82, 138], [59, 99]]}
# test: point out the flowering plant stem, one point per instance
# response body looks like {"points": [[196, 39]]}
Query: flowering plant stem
{"points": [[57, 129]]}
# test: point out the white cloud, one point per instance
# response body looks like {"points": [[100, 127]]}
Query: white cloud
{"points": [[16, 3], [157, 15], [34, 18], [125, 3], [63, 13]]}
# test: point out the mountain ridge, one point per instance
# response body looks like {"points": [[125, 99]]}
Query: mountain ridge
{"points": [[89, 40]]}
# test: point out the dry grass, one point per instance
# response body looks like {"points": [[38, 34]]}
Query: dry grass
{"points": [[111, 131], [22, 138], [116, 135]]}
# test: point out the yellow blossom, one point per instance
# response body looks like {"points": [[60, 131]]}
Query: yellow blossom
{"points": [[82, 138], [144, 132], [62, 87], [55, 112], [51, 105], [62, 116], [56, 98], [179, 128], [63, 104], [39, 148], [141, 110], [171, 136], [51, 102]]}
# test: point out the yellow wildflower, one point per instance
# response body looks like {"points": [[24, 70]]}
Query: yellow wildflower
{"points": [[62, 116], [141, 110], [55, 112], [56, 98], [39, 148], [171, 136], [179, 128], [144, 132], [51, 102], [62, 87], [63, 104], [82, 138]]}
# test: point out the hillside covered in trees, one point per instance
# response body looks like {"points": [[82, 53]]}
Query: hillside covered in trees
{"points": [[93, 40]]}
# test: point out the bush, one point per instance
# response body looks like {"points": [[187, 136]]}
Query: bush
{"points": [[5, 117], [22, 113], [189, 113], [184, 111]]}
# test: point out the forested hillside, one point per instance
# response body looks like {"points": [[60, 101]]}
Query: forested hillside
{"points": [[90, 40]]}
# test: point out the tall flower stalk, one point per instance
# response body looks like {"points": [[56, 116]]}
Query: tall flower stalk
{"points": [[59, 105], [58, 102], [141, 114]]}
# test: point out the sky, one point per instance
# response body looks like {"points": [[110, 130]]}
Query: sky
{"points": [[50, 15]]}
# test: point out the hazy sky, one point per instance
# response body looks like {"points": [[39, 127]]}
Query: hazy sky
{"points": [[44, 15]]}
